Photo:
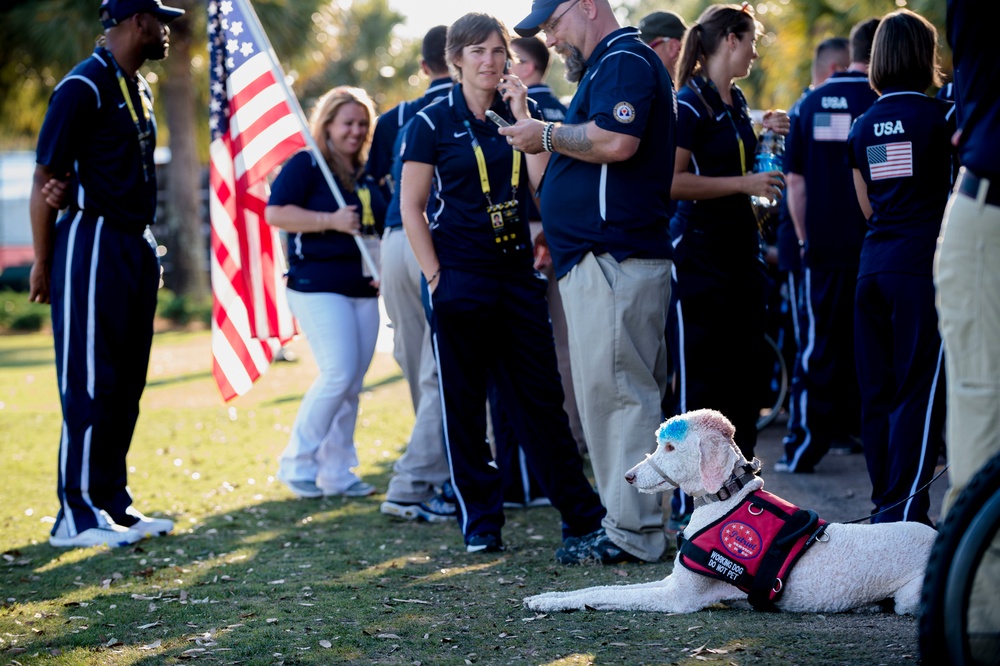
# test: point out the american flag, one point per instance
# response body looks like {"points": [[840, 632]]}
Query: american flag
{"points": [[254, 129], [831, 126], [890, 160]]}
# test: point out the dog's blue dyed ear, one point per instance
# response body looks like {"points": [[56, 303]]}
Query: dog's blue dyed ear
{"points": [[675, 429]]}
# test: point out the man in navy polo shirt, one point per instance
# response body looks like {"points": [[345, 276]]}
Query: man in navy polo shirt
{"points": [[604, 204], [831, 227], [98, 267], [423, 466]]}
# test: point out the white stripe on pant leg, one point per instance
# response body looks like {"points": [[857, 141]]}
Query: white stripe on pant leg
{"points": [[68, 298], [67, 514], [925, 440], [525, 483], [85, 475], [91, 309], [682, 366]]}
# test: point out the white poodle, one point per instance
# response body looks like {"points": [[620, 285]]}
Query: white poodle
{"points": [[852, 566]]}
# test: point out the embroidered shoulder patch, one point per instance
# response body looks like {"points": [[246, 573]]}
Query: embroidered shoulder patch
{"points": [[624, 112]]}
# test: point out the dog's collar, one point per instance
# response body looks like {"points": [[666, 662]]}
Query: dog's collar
{"points": [[740, 477]]}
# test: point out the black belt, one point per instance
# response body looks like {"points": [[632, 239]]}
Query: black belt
{"points": [[969, 184]]}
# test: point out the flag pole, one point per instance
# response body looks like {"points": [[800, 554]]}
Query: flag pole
{"points": [[293, 102]]}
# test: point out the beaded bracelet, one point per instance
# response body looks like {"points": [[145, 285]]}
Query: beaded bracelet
{"points": [[547, 138]]}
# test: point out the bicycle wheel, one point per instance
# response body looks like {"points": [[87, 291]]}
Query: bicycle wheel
{"points": [[777, 384], [961, 573]]}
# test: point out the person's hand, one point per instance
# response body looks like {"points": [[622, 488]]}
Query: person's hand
{"points": [[525, 135], [543, 258], [55, 192], [515, 93], [38, 283], [767, 184], [778, 121], [346, 220], [956, 138]]}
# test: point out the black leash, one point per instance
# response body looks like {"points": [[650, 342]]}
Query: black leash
{"points": [[889, 508]]}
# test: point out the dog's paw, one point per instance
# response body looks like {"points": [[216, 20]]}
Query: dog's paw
{"points": [[552, 601]]}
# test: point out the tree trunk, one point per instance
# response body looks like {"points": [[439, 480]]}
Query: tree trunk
{"points": [[189, 255]]}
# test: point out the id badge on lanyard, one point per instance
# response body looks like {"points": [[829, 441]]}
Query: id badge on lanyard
{"points": [[504, 216]]}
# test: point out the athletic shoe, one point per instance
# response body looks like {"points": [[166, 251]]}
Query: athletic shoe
{"points": [[357, 489], [433, 510], [305, 489], [530, 504], [148, 527], [783, 467], [109, 534], [578, 549], [484, 543], [606, 551]]}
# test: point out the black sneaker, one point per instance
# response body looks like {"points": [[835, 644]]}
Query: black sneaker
{"points": [[577, 549], [484, 543], [606, 551]]}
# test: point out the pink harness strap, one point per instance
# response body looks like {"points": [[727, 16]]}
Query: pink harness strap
{"points": [[754, 546]]}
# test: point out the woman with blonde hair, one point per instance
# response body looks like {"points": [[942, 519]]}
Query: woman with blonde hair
{"points": [[329, 293]]}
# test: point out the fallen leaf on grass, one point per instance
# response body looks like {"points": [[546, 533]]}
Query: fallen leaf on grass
{"points": [[17, 650], [144, 573], [532, 619], [152, 646], [413, 601], [55, 652], [697, 626], [620, 572], [271, 620], [325, 643], [280, 581], [150, 625], [112, 642], [391, 636]]}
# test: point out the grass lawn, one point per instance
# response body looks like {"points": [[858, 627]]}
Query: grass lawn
{"points": [[253, 575]]}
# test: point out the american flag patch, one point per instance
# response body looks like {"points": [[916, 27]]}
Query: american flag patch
{"points": [[890, 160], [831, 126]]}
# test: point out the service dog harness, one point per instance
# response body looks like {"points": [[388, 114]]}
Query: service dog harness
{"points": [[755, 545]]}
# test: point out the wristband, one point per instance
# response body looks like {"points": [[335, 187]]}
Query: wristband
{"points": [[547, 138], [433, 277]]}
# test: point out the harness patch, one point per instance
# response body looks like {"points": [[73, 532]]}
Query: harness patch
{"points": [[721, 564], [741, 540]]}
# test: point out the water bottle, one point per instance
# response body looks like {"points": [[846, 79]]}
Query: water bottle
{"points": [[769, 157]]}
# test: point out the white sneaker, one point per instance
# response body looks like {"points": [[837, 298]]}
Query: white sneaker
{"points": [[149, 527], [109, 534]]}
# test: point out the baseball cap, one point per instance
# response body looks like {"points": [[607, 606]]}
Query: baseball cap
{"points": [[541, 10], [661, 24], [111, 12]]}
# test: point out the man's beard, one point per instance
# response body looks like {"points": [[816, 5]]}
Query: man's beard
{"points": [[574, 62]]}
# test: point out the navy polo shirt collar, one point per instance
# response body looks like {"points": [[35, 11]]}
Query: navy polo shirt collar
{"points": [[438, 87], [460, 110], [605, 44]]}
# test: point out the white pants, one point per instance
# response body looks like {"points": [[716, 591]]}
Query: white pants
{"points": [[341, 333]]}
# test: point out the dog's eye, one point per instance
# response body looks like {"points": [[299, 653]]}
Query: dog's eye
{"points": [[668, 447]]}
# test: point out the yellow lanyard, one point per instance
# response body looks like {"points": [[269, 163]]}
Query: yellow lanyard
{"points": [[146, 108], [484, 178], [367, 217]]}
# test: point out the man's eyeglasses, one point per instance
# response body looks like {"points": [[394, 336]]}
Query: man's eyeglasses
{"points": [[550, 28]]}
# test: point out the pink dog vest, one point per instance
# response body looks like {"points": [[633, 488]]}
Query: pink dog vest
{"points": [[754, 546]]}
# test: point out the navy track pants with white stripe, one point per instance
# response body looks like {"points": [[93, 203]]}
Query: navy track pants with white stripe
{"points": [[496, 329], [901, 374], [103, 293]]}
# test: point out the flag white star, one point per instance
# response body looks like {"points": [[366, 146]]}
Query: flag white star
{"points": [[232, 45], [236, 28], [226, 7], [246, 49]]}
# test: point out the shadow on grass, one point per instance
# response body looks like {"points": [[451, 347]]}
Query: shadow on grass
{"points": [[179, 379], [267, 578]]}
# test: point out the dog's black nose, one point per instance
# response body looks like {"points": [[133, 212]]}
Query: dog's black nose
{"points": [[630, 476]]}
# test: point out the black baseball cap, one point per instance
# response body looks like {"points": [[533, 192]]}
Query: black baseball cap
{"points": [[541, 10], [112, 12], [661, 24]]}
